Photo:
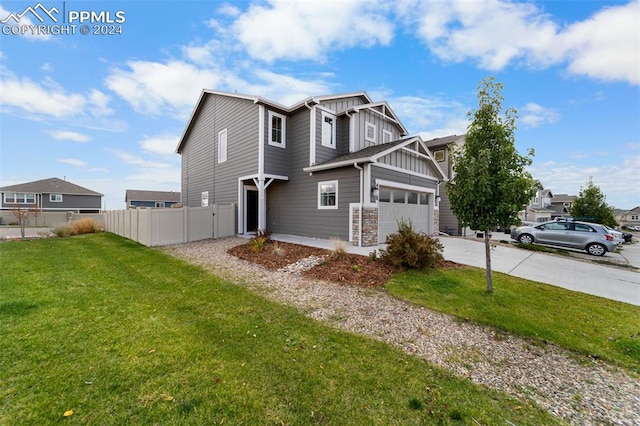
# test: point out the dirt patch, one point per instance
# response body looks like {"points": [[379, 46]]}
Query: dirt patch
{"points": [[276, 254]]}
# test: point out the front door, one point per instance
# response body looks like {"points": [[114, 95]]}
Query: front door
{"points": [[251, 206]]}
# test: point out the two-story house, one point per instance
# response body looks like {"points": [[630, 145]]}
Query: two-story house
{"points": [[328, 166]]}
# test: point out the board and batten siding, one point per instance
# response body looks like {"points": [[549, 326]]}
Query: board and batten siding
{"points": [[200, 168], [399, 177], [292, 207], [405, 160], [367, 116]]}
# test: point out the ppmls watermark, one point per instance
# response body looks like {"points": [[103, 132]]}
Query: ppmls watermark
{"points": [[62, 21]]}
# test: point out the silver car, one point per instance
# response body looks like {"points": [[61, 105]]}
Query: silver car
{"points": [[578, 235]]}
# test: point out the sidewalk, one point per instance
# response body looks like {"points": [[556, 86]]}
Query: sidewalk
{"points": [[577, 275]]}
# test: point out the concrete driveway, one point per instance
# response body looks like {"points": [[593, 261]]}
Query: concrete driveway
{"points": [[579, 275]]}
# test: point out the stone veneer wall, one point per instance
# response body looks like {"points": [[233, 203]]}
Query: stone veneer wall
{"points": [[436, 221], [369, 226]]}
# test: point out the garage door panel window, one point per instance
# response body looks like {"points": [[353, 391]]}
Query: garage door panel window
{"points": [[328, 195], [398, 196], [384, 195], [412, 198], [424, 199]]}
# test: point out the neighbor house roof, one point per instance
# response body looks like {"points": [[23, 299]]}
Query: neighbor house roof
{"points": [[50, 186], [446, 140], [140, 195], [563, 198]]}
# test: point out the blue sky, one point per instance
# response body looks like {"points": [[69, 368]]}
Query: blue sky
{"points": [[106, 111]]}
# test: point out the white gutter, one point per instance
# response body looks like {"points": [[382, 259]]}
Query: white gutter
{"points": [[338, 164]]}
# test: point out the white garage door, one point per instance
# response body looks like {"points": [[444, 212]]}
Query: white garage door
{"points": [[399, 204]]}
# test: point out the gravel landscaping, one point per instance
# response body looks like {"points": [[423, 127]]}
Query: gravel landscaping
{"points": [[593, 393]]}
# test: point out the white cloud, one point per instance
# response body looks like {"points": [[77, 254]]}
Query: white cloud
{"points": [[47, 98], [499, 33], [607, 46], [140, 162], [295, 30], [72, 161], [68, 135], [618, 182], [534, 115], [154, 87], [46, 67], [430, 117], [164, 145]]}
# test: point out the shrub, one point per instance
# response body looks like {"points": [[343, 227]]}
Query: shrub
{"points": [[81, 226], [277, 250], [410, 249], [259, 242], [338, 248]]}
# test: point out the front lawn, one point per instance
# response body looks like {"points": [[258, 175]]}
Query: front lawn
{"points": [[587, 324], [107, 331]]}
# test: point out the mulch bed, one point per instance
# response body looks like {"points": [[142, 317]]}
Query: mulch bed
{"points": [[352, 269]]}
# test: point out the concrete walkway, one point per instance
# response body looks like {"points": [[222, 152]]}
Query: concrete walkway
{"points": [[599, 280]]}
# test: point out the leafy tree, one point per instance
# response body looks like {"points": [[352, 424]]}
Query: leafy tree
{"points": [[590, 206], [490, 184]]}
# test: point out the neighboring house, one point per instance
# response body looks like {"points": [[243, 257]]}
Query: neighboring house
{"points": [[627, 217], [134, 198], [329, 166], [441, 150], [539, 207], [561, 205], [51, 195]]}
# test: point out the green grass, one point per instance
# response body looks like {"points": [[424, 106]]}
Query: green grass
{"points": [[586, 324], [123, 334]]}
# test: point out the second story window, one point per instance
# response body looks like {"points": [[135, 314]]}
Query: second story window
{"points": [[370, 132], [222, 146], [328, 130], [439, 155], [277, 129]]}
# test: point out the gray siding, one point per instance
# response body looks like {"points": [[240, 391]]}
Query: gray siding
{"points": [[200, 169], [381, 124], [275, 158], [292, 207], [448, 221], [69, 202]]}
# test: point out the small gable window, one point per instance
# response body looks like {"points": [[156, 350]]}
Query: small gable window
{"points": [[387, 136], [277, 129], [328, 130], [55, 198], [439, 155], [222, 146], [328, 194]]}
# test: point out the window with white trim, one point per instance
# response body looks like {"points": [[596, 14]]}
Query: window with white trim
{"points": [[369, 132], [160, 204], [387, 136], [222, 146], [55, 198], [328, 194], [439, 155], [277, 129], [19, 198], [328, 130]]}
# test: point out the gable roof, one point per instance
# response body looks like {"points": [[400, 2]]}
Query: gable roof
{"points": [[50, 186], [372, 153], [368, 103], [141, 195], [387, 112], [563, 198]]}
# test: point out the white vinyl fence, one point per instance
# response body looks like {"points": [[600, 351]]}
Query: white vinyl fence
{"points": [[157, 227]]}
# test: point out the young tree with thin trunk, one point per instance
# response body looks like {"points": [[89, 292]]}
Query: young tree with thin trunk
{"points": [[490, 184]]}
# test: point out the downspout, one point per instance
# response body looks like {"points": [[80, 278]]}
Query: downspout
{"points": [[361, 206]]}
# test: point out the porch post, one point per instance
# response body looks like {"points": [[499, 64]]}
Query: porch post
{"points": [[262, 205]]}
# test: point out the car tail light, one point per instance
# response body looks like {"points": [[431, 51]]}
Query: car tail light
{"points": [[608, 237]]}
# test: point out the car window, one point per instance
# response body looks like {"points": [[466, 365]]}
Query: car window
{"points": [[554, 226], [581, 227]]}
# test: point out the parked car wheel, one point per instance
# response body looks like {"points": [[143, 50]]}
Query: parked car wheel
{"points": [[525, 239], [596, 249]]}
